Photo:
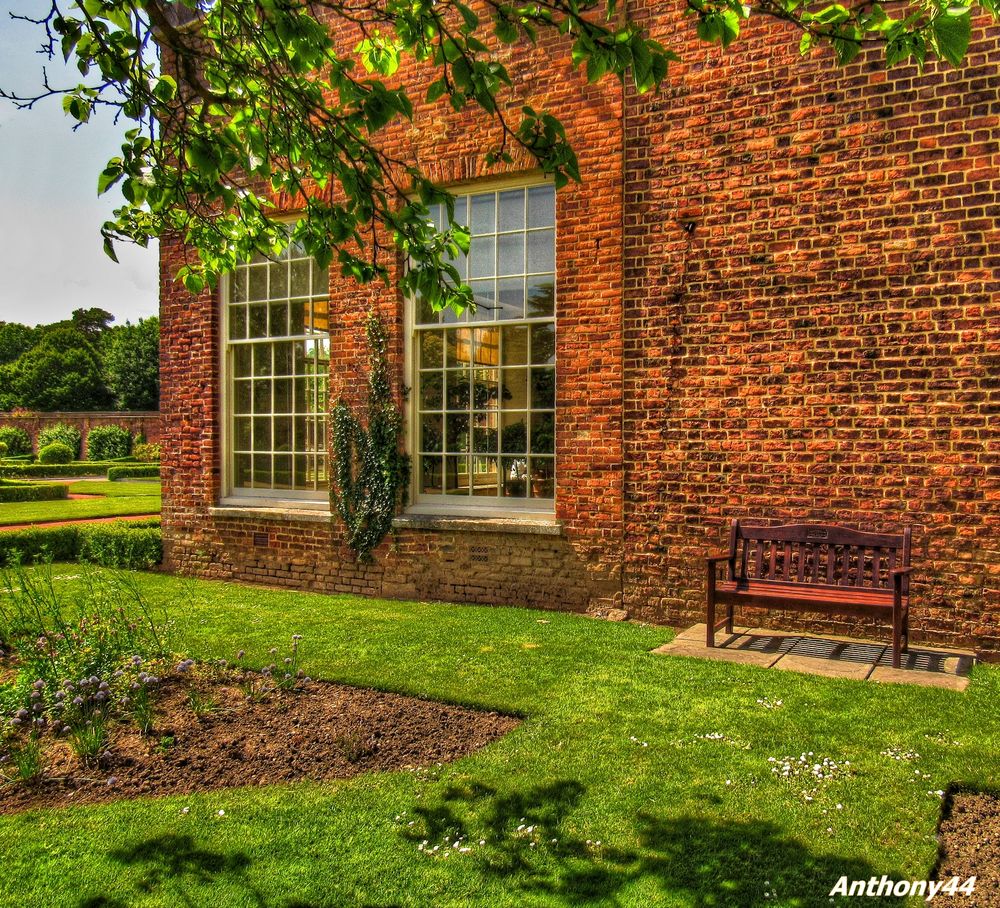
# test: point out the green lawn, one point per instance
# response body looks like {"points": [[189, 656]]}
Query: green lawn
{"points": [[118, 499], [646, 779]]}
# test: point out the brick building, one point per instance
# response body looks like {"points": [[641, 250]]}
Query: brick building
{"points": [[775, 294]]}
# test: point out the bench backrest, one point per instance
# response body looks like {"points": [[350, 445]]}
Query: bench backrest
{"points": [[818, 554]]}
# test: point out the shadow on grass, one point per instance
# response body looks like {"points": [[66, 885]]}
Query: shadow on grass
{"points": [[697, 860], [533, 853]]}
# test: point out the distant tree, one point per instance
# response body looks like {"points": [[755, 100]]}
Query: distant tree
{"points": [[61, 372], [132, 364], [92, 323], [15, 339]]}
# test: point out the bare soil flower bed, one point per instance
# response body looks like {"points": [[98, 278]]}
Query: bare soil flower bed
{"points": [[970, 846], [317, 731]]}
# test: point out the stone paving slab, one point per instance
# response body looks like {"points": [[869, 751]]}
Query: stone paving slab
{"points": [[833, 656]]}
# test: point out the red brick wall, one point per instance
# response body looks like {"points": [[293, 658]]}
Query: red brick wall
{"points": [[579, 569], [776, 297], [823, 344], [143, 422]]}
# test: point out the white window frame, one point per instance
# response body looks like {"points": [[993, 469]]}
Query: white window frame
{"points": [[231, 496], [471, 505]]}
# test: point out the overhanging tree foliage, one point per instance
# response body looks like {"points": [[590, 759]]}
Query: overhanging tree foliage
{"points": [[259, 97]]}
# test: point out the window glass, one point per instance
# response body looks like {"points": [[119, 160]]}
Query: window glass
{"points": [[486, 379], [278, 359]]}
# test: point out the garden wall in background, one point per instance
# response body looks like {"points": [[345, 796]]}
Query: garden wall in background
{"points": [[146, 422], [777, 297]]}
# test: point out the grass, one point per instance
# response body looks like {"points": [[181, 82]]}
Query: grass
{"points": [[646, 779], [121, 489], [117, 499]]}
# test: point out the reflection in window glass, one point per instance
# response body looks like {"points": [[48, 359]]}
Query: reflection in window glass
{"points": [[278, 362], [486, 379]]}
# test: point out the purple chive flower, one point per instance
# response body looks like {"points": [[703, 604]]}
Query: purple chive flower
{"points": [[39, 685], [241, 654], [78, 701]]}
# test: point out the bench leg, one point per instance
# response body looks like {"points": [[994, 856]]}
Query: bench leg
{"points": [[729, 618], [897, 634], [906, 631], [710, 617]]}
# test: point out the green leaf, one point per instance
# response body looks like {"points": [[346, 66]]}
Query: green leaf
{"points": [[952, 34]]}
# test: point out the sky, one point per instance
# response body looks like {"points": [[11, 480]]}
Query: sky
{"points": [[51, 260]]}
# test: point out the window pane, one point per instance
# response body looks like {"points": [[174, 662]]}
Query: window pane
{"points": [[278, 325], [237, 322], [484, 293], [543, 343], [459, 347], [241, 470], [282, 433], [262, 396], [514, 346], [258, 321], [484, 476], [542, 473], [543, 433], [514, 477], [457, 396], [241, 397], [430, 475], [261, 477], [257, 282], [543, 389], [262, 433], [456, 475], [484, 214], [514, 389], [482, 258], [486, 352], [457, 432], [541, 251], [431, 390], [262, 359], [279, 281], [541, 206], [282, 359], [484, 437], [241, 434], [282, 395], [510, 254], [298, 317], [511, 213], [514, 434], [281, 468], [239, 286], [301, 273], [431, 348], [431, 433], [425, 314], [320, 317], [485, 389], [541, 297], [511, 294], [242, 359]]}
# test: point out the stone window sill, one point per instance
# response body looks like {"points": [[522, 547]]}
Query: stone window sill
{"points": [[290, 515], [533, 526]]}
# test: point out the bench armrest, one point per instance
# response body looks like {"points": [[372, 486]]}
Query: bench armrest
{"points": [[900, 571], [715, 559]]}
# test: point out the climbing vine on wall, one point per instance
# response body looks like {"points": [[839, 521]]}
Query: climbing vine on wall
{"points": [[370, 471]]}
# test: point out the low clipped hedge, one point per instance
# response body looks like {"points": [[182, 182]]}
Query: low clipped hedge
{"points": [[139, 471], [41, 470], [136, 545], [32, 491]]}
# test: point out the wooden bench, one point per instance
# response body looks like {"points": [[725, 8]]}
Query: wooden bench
{"points": [[816, 568]]}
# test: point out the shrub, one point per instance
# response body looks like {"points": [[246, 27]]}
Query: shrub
{"points": [[121, 545], [3, 448], [108, 443], [32, 491], [141, 471], [18, 441], [27, 546], [146, 453], [127, 544], [41, 470], [64, 434], [56, 452]]}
